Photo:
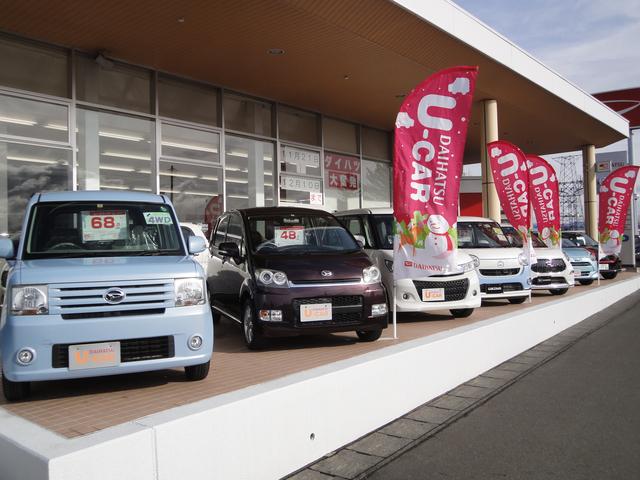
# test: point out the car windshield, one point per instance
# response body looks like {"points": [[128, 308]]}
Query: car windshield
{"points": [[581, 239], [566, 243], [85, 229], [299, 233], [481, 235], [383, 225]]}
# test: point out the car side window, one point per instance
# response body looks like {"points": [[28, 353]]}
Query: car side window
{"points": [[234, 232], [220, 232], [357, 226], [186, 233]]}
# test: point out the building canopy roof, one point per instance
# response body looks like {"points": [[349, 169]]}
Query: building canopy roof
{"points": [[353, 60]]}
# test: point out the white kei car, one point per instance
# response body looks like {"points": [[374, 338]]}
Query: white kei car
{"points": [[194, 229], [459, 292], [552, 271], [504, 270]]}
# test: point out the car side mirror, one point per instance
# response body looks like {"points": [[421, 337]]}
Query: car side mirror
{"points": [[361, 240], [230, 249], [196, 244], [6, 248]]}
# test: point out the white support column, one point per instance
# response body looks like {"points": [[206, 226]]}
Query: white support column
{"points": [[490, 202]]}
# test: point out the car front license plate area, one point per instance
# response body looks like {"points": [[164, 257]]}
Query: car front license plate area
{"points": [[315, 312], [94, 355], [433, 294], [604, 266], [494, 288]]}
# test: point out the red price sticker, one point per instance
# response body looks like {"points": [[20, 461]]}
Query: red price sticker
{"points": [[104, 225], [289, 235]]}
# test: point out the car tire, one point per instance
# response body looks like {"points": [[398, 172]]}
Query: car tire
{"points": [[253, 339], [585, 282], [15, 391], [517, 300], [197, 372], [369, 335], [558, 291], [609, 275], [461, 312]]}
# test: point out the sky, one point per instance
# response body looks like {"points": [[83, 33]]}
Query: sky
{"points": [[592, 43]]}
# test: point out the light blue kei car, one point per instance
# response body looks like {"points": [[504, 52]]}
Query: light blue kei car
{"points": [[101, 283]]}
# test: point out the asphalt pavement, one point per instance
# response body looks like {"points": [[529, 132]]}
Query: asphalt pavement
{"points": [[574, 416]]}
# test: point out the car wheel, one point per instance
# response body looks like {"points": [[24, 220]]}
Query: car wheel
{"points": [[197, 372], [585, 282], [461, 312], [252, 338], [517, 300], [15, 391], [369, 335], [558, 291], [609, 275]]}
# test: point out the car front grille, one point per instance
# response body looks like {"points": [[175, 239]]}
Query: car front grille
{"points": [[454, 290], [546, 280], [131, 350], [345, 310], [581, 264], [75, 301], [553, 265], [499, 272]]}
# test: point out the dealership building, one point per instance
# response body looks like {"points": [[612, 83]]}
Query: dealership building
{"points": [[229, 104]]}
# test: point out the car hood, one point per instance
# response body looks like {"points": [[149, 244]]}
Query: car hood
{"points": [[542, 253], [577, 253], [463, 255], [104, 269], [308, 267]]}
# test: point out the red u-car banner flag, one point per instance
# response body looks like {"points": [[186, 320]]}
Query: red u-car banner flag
{"points": [[431, 130], [545, 200], [615, 195], [511, 178]]}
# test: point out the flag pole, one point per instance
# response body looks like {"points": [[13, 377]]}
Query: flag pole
{"points": [[395, 313]]}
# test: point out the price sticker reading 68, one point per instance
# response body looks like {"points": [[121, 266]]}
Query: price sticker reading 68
{"points": [[104, 225], [289, 235]]}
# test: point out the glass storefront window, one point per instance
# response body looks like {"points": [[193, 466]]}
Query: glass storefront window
{"points": [[342, 181], [113, 84], [248, 115], [300, 176], [298, 126], [192, 177], [34, 67], [376, 181], [376, 143], [115, 152], [249, 169], [189, 101], [25, 170], [27, 118], [339, 135]]}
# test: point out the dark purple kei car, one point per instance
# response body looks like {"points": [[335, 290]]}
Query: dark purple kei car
{"points": [[281, 271]]}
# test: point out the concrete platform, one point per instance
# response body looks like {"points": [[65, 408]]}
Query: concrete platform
{"points": [[266, 414]]}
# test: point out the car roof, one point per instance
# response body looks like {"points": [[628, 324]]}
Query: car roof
{"points": [[98, 196], [365, 211], [278, 211]]}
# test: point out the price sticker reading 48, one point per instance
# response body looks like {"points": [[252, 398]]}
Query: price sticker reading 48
{"points": [[104, 225], [289, 235]]}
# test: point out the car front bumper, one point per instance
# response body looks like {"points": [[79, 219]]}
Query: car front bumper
{"points": [[513, 286], [49, 334], [351, 309]]}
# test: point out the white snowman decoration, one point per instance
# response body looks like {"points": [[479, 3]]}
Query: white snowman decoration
{"points": [[545, 235], [613, 243], [438, 241]]}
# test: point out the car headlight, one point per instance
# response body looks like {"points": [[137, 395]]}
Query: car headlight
{"points": [[522, 259], [272, 278], [476, 261], [30, 300], [389, 265], [371, 274], [468, 266], [189, 291]]}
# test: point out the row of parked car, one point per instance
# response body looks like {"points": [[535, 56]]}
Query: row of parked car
{"points": [[103, 283]]}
